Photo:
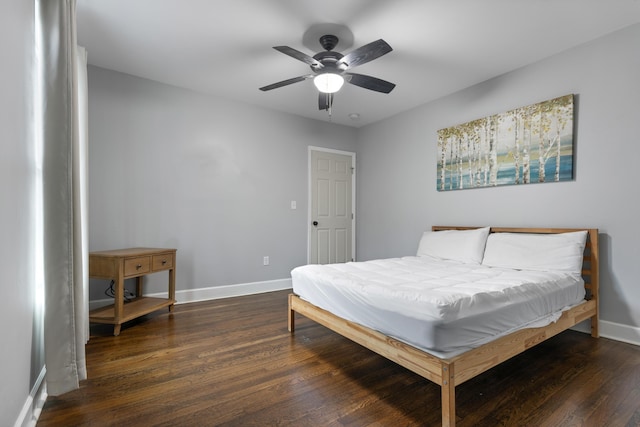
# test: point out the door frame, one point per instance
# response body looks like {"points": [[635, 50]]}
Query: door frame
{"points": [[310, 149]]}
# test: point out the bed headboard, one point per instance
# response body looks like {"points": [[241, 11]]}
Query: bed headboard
{"points": [[590, 263]]}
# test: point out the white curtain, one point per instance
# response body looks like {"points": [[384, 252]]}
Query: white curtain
{"points": [[64, 188]]}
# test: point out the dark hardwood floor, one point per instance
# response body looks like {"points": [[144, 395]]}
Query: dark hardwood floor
{"points": [[232, 362]]}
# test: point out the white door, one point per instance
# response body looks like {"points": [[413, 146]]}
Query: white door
{"points": [[331, 207]]}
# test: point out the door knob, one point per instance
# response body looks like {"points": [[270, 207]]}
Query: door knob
{"points": [[315, 223]]}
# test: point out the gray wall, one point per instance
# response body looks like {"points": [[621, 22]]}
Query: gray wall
{"points": [[211, 177], [21, 356], [397, 197]]}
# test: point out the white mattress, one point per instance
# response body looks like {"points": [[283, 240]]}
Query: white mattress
{"points": [[443, 307]]}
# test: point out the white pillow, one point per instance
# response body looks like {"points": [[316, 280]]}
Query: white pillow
{"points": [[459, 245], [541, 252]]}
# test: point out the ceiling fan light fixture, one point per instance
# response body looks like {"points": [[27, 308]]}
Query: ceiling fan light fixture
{"points": [[328, 82]]}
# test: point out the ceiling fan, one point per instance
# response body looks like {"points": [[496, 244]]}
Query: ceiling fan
{"points": [[331, 69]]}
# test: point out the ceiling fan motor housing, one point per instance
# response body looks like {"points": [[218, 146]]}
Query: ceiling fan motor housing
{"points": [[329, 59]]}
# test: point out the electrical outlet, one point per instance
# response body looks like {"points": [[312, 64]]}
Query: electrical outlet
{"points": [[265, 260]]}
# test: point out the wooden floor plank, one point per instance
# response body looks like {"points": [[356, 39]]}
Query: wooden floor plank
{"points": [[232, 362]]}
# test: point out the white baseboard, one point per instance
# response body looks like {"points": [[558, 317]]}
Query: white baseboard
{"points": [[33, 406], [620, 332], [614, 331], [214, 292], [217, 292]]}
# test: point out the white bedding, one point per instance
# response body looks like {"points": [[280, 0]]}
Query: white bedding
{"points": [[441, 306]]}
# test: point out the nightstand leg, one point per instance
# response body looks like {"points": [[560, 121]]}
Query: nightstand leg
{"points": [[139, 286], [118, 303], [172, 287]]}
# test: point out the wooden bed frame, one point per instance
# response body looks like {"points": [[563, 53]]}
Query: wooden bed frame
{"points": [[451, 372]]}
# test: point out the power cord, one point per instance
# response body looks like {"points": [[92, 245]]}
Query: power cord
{"points": [[111, 292]]}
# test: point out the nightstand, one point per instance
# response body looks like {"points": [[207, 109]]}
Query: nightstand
{"points": [[121, 264]]}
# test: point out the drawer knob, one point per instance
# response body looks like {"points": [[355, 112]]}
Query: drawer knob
{"points": [[164, 261], [138, 267]]}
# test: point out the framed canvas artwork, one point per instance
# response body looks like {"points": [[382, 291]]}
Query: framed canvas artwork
{"points": [[527, 145]]}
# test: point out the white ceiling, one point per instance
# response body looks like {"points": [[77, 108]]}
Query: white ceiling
{"points": [[224, 47]]}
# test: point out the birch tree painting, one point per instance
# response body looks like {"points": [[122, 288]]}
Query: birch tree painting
{"points": [[522, 146]]}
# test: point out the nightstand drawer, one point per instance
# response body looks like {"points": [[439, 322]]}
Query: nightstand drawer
{"points": [[138, 265], [162, 262]]}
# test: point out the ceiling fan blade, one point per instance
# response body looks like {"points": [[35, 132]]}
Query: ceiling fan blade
{"points": [[325, 101], [371, 83], [366, 53], [286, 82], [300, 56]]}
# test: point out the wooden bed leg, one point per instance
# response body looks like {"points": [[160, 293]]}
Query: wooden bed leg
{"points": [[448, 396], [594, 264], [291, 319], [595, 329]]}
